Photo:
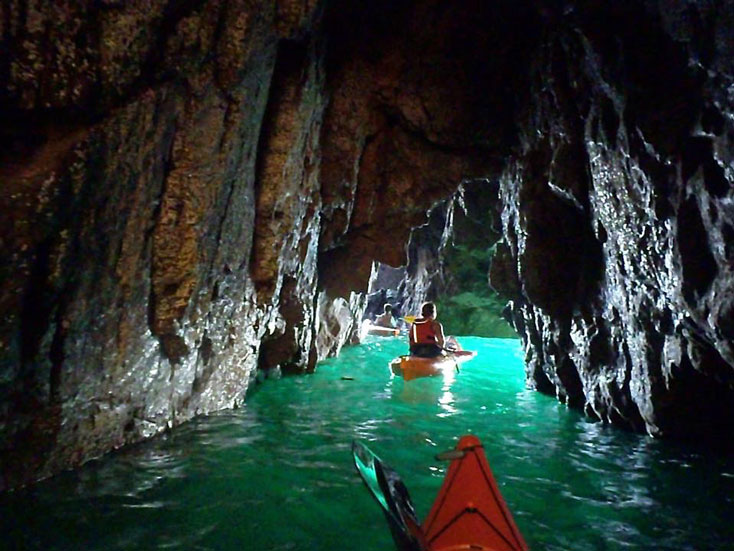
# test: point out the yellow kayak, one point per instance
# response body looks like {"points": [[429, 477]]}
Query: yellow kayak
{"points": [[413, 367]]}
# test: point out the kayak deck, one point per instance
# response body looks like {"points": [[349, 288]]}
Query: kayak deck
{"points": [[469, 512], [368, 328], [382, 331]]}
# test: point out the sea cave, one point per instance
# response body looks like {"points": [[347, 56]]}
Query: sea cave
{"points": [[197, 193]]}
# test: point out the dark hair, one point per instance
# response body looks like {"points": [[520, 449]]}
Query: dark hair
{"points": [[387, 309], [428, 309]]}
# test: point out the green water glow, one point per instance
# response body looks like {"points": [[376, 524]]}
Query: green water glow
{"points": [[278, 475]]}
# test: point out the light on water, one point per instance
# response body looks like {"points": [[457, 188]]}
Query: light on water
{"points": [[278, 475]]}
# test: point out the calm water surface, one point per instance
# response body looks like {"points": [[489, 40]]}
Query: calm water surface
{"points": [[277, 474]]}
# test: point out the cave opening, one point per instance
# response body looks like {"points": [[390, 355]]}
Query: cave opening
{"points": [[449, 266]]}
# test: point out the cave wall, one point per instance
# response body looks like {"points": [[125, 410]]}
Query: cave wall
{"points": [[195, 190], [189, 191], [130, 167], [617, 217]]}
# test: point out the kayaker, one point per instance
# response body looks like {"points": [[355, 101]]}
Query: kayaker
{"points": [[385, 319], [426, 334]]}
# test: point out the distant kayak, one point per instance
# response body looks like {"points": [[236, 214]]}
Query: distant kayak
{"points": [[369, 328], [413, 367], [469, 513], [382, 331]]}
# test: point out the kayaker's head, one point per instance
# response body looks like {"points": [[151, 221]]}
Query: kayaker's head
{"points": [[428, 310], [387, 309]]}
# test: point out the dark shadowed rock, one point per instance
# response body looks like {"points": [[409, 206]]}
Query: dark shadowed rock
{"points": [[615, 217]]}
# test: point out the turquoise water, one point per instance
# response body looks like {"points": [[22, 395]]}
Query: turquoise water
{"points": [[278, 475]]}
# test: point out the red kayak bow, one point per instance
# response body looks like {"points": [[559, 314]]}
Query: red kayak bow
{"points": [[468, 514]]}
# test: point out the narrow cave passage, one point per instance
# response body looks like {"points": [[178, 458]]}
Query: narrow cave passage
{"points": [[448, 261]]}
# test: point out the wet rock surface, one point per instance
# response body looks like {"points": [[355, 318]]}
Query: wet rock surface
{"points": [[193, 191], [129, 296], [616, 212]]}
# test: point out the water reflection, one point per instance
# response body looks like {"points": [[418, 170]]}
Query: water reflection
{"points": [[446, 401], [426, 390], [418, 391], [278, 474]]}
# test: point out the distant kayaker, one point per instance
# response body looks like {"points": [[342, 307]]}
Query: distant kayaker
{"points": [[385, 319], [426, 334]]}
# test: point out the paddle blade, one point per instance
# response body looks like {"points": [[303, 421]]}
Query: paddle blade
{"points": [[365, 461], [388, 489], [469, 509]]}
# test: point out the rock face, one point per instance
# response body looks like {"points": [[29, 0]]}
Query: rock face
{"points": [[193, 190], [617, 216], [130, 172]]}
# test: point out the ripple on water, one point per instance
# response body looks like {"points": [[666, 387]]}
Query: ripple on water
{"points": [[278, 474]]}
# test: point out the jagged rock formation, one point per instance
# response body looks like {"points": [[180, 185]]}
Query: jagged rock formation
{"points": [[423, 277], [196, 189], [617, 217]]}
